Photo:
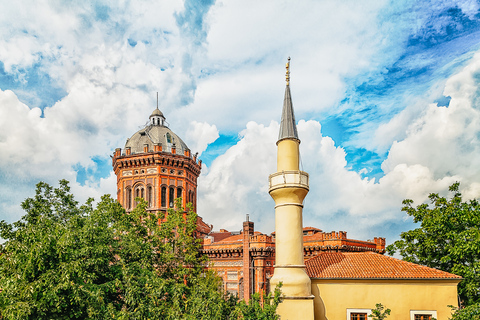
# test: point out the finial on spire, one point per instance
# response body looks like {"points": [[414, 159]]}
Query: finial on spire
{"points": [[287, 75], [157, 99]]}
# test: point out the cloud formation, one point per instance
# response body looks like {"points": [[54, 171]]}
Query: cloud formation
{"points": [[78, 79]]}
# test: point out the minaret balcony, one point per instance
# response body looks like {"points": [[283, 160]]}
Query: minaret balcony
{"points": [[285, 179]]}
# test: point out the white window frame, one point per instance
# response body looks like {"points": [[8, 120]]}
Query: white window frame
{"points": [[350, 311], [433, 313]]}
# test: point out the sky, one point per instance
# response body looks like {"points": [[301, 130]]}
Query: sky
{"points": [[386, 95]]}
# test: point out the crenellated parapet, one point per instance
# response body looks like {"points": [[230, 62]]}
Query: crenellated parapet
{"points": [[156, 165]]}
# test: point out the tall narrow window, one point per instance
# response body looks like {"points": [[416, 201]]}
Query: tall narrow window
{"points": [[194, 200], [171, 196], [179, 192], [164, 197], [128, 199], [149, 196], [141, 193]]}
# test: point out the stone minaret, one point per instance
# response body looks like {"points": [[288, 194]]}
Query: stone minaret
{"points": [[288, 187]]}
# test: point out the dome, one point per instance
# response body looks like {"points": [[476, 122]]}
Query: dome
{"points": [[156, 133], [153, 134]]}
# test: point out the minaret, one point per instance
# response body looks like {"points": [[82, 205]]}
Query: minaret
{"points": [[288, 187]]}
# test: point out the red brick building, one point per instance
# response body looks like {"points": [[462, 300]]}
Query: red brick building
{"points": [[157, 165], [238, 271]]}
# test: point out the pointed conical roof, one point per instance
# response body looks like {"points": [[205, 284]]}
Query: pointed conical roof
{"points": [[157, 112], [288, 127]]}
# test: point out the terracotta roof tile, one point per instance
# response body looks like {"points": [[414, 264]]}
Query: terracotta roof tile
{"points": [[235, 238], [368, 265], [219, 236]]}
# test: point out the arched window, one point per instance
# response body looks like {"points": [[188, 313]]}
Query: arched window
{"points": [[179, 192], [149, 196], [164, 197], [139, 193], [128, 198], [171, 197], [194, 202]]}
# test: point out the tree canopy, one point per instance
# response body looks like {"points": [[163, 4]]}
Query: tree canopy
{"points": [[448, 239], [63, 260]]}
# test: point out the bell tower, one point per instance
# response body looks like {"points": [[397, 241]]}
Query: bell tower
{"points": [[288, 188]]}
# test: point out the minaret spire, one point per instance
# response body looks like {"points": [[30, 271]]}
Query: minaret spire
{"points": [[288, 127]]}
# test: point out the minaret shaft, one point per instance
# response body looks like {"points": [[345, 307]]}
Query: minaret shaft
{"points": [[287, 155], [288, 188]]}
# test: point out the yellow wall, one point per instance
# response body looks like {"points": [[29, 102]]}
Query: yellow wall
{"points": [[334, 297]]}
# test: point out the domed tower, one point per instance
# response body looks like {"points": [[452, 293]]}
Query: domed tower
{"points": [[156, 165]]}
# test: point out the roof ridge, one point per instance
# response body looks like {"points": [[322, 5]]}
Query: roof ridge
{"points": [[369, 265]]}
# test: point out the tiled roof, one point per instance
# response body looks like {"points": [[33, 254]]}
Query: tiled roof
{"points": [[219, 236], [235, 238], [368, 265]]}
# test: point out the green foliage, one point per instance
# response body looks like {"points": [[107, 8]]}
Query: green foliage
{"points": [[65, 261], [472, 312], [448, 239], [55, 261], [256, 310], [379, 313]]}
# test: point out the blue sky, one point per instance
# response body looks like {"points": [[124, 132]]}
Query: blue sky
{"points": [[384, 93]]}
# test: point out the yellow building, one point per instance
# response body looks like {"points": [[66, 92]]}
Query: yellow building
{"points": [[341, 285], [347, 285]]}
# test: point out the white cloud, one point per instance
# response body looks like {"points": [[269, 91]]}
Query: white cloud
{"points": [[110, 90], [441, 146], [200, 135], [237, 181], [446, 140]]}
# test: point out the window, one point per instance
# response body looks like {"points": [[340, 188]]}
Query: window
{"points": [[164, 197], [171, 196], [423, 314], [179, 192], [358, 314], [169, 138], [423, 317], [149, 196], [128, 199]]}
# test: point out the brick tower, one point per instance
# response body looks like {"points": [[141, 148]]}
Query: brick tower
{"points": [[156, 165]]}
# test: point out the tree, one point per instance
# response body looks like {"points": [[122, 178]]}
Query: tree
{"points": [[65, 261], [263, 308], [448, 239], [379, 313], [55, 263], [472, 312]]}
